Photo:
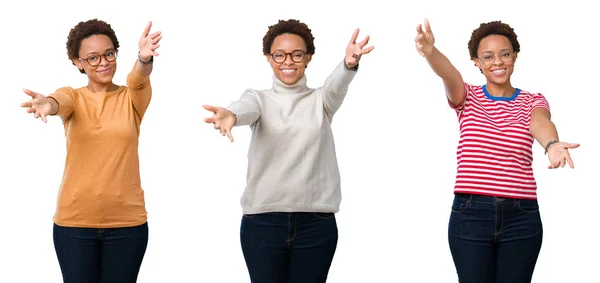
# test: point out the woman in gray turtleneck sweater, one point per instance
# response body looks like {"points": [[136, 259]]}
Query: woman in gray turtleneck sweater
{"points": [[288, 230]]}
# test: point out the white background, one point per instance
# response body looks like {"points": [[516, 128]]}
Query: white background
{"points": [[395, 135]]}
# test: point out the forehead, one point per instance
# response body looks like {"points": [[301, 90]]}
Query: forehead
{"points": [[288, 42], [97, 43], [494, 43]]}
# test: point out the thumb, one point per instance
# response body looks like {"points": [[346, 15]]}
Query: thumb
{"points": [[572, 145], [31, 93], [210, 108], [427, 26]]}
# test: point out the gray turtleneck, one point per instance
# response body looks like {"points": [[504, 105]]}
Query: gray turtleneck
{"points": [[292, 165]]}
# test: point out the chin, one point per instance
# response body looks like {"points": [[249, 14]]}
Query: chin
{"points": [[289, 81], [105, 80]]}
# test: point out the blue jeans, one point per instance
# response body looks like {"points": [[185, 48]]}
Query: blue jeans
{"points": [[289, 247], [90, 255], [494, 240]]}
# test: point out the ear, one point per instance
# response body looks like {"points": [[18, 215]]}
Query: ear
{"points": [[477, 64], [270, 60], [77, 63], [515, 57], [307, 59]]}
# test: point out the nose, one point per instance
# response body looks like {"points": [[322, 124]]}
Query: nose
{"points": [[288, 59], [103, 60], [497, 59]]}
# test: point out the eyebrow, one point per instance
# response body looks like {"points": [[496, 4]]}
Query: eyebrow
{"points": [[505, 49], [290, 52], [105, 50]]}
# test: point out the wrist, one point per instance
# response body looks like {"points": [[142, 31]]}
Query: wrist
{"points": [[548, 145], [145, 60], [351, 68], [430, 53]]}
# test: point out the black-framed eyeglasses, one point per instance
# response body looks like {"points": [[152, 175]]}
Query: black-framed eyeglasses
{"points": [[95, 59], [488, 58], [279, 56]]}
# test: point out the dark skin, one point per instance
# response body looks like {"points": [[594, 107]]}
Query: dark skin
{"points": [[224, 120], [497, 67], [99, 77]]}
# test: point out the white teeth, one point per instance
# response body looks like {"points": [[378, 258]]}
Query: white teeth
{"points": [[287, 71], [499, 71]]}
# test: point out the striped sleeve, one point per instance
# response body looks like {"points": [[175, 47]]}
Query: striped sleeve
{"points": [[540, 101], [460, 107]]}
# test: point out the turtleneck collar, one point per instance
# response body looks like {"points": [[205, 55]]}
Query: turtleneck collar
{"points": [[281, 87]]}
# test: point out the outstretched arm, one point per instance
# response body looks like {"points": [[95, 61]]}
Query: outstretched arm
{"points": [[439, 63], [147, 50], [244, 111], [138, 79], [41, 106], [544, 131], [336, 85]]}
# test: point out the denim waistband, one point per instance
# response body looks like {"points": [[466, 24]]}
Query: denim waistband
{"points": [[486, 199]]}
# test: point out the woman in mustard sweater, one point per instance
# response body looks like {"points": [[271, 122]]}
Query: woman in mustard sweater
{"points": [[100, 228]]}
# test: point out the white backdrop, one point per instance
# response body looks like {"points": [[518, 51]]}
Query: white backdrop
{"points": [[396, 137]]}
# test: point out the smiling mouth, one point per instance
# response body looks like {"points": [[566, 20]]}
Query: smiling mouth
{"points": [[288, 71], [105, 71], [499, 71]]}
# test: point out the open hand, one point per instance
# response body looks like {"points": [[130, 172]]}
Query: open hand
{"points": [[149, 43], [558, 154], [223, 120], [39, 105], [424, 40], [355, 50]]}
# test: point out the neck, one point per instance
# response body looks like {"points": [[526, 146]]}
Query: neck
{"points": [[96, 87], [500, 90], [281, 87]]}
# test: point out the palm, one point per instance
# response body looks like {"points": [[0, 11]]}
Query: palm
{"points": [[149, 43], [356, 49], [222, 119], [558, 154], [39, 105], [424, 41]]}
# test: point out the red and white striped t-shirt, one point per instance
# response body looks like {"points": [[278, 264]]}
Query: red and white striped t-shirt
{"points": [[495, 148]]}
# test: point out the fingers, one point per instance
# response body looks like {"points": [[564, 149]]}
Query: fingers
{"points": [[427, 26], [147, 29], [419, 37], [154, 35], [229, 135], [31, 93], [562, 162], [354, 36], [43, 116], [155, 40], [210, 120], [27, 104], [210, 108], [364, 41], [367, 50], [225, 131], [419, 29], [570, 161]]}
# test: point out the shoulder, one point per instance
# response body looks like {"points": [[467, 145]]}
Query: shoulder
{"points": [[67, 90], [255, 92], [529, 95], [473, 91]]}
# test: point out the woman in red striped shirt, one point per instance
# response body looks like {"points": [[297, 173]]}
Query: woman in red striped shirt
{"points": [[495, 230]]}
